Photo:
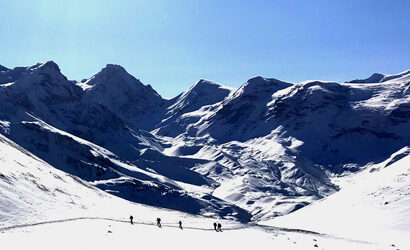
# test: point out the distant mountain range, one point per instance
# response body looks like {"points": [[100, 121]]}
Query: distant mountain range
{"points": [[265, 149]]}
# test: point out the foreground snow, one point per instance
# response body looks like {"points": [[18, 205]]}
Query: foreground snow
{"points": [[197, 234]]}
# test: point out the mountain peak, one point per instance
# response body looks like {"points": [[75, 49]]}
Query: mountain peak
{"points": [[256, 79], [201, 94], [209, 87], [122, 94], [114, 68], [263, 80], [259, 83], [45, 66], [204, 83], [49, 68], [206, 89], [374, 78], [113, 74]]}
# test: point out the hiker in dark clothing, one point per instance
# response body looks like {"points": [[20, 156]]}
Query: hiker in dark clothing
{"points": [[180, 224], [219, 227], [215, 226], [131, 218], [159, 222]]}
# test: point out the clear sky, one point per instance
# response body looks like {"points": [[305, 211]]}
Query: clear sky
{"points": [[170, 44]]}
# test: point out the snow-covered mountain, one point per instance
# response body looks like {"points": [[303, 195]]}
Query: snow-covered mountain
{"points": [[189, 107], [124, 95], [265, 149]]}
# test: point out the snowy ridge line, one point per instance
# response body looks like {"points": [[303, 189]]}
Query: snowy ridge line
{"points": [[117, 220]]}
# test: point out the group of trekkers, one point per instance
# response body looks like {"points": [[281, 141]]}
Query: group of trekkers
{"points": [[217, 226]]}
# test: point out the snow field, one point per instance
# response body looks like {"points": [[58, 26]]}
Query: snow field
{"points": [[102, 234]]}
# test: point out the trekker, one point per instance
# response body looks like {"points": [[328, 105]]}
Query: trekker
{"points": [[131, 218], [159, 222], [180, 224], [219, 227], [215, 226]]}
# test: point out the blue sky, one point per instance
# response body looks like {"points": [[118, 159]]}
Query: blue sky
{"points": [[171, 44]]}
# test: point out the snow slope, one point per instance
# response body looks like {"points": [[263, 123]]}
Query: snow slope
{"points": [[373, 205], [32, 190]]}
